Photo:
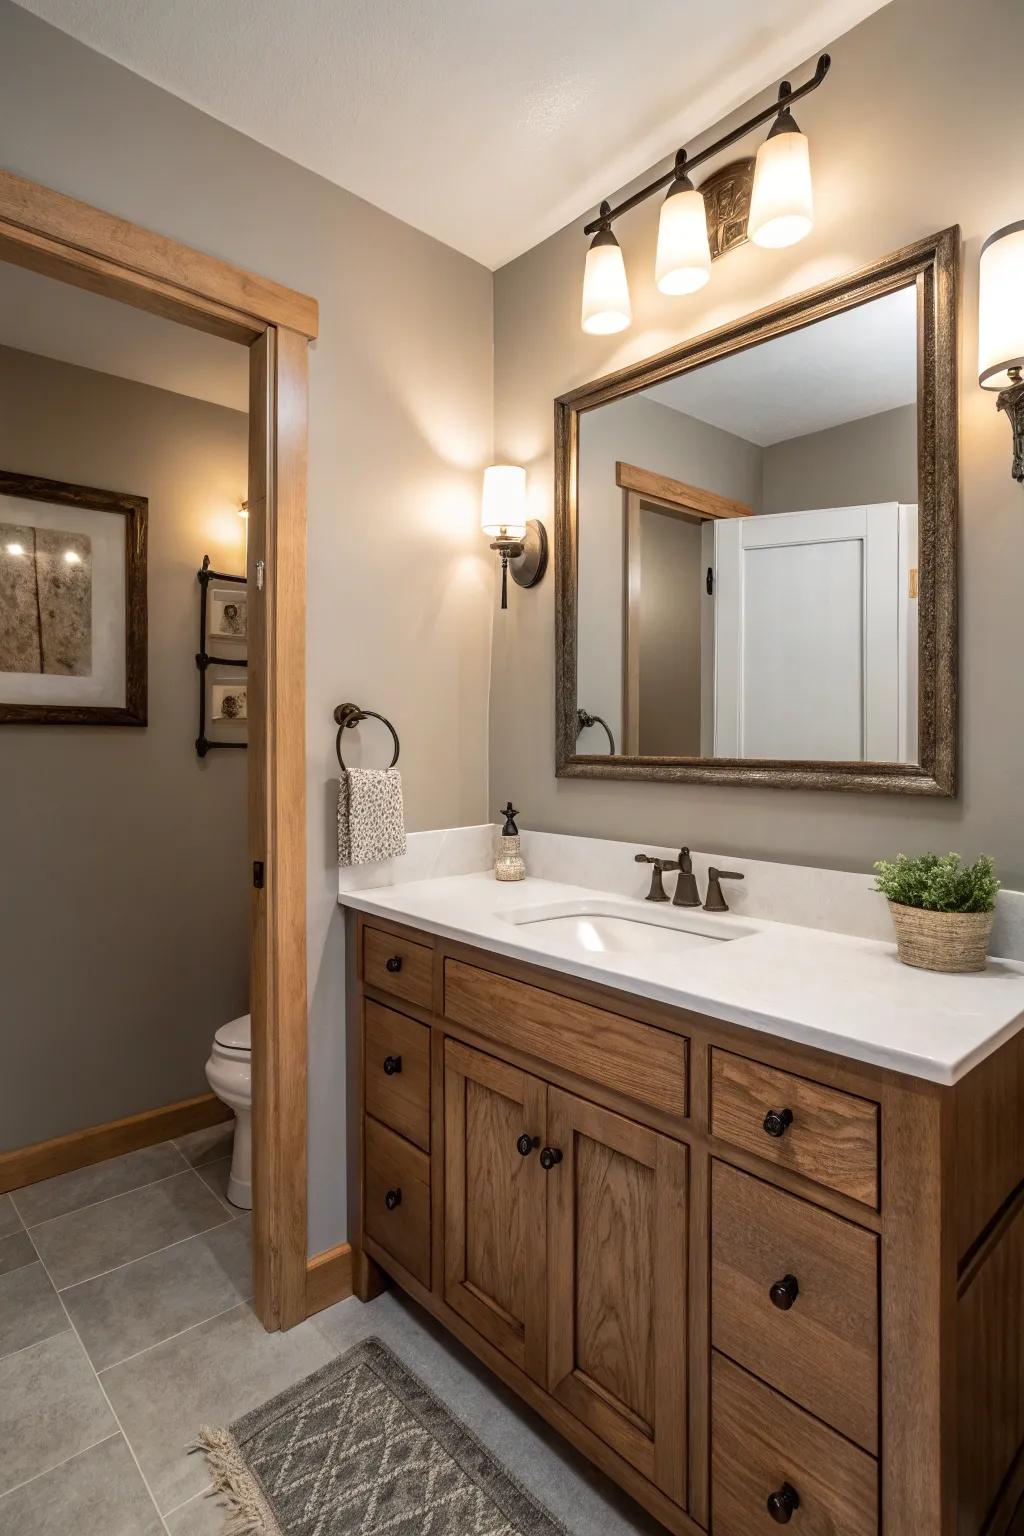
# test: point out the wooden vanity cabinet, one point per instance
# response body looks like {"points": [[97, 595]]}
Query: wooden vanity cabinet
{"points": [[755, 1283]]}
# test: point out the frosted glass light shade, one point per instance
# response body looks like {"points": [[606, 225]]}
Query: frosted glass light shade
{"points": [[503, 510], [1001, 307], [606, 306], [683, 261], [782, 201]]}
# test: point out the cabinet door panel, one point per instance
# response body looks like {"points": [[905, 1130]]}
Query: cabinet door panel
{"points": [[617, 1325], [495, 1203]]}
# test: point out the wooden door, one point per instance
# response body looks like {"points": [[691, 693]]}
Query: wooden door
{"points": [[495, 1203], [617, 1320]]}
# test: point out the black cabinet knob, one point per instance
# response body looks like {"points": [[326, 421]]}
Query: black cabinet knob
{"points": [[549, 1158], [393, 1198], [777, 1122], [394, 964], [526, 1144], [784, 1292], [392, 1064], [782, 1504]]}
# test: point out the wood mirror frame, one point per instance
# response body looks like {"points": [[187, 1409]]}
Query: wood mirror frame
{"points": [[933, 267]]}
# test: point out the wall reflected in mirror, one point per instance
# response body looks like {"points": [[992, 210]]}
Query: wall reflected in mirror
{"points": [[748, 551]]}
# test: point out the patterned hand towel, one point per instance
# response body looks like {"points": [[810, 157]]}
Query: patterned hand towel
{"points": [[371, 821]]}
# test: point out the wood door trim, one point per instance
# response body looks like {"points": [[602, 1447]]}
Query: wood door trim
{"points": [[48, 232], [676, 494], [39, 225]]}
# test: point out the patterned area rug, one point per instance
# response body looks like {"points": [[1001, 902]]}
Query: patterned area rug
{"points": [[360, 1448]]}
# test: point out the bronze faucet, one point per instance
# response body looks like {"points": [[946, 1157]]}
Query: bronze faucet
{"points": [[661, 866], [715, 901], [687, 894]]}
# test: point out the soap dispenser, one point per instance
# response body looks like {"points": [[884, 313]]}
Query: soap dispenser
{"points": [[509, 865]]}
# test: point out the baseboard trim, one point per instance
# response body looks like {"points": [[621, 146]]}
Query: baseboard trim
{"points": [[328, 1278], [45, 1159]]}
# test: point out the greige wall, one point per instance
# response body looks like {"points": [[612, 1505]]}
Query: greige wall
{"points": [[893, 161], [670, 622], [871, 460], [401, 584], [124, 940]]}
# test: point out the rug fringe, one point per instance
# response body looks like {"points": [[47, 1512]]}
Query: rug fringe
{"points": [[248, 1512]]}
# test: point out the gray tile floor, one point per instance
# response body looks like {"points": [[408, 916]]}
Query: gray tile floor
{"points": [[125, 1324]]}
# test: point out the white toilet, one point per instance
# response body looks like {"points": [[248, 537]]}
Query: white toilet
{"points": [[229, 1074]]}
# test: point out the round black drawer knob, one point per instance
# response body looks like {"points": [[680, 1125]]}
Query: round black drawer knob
{"points": [[393, 1198], [783, 1503], [777, 1122], [394, 964], [525, 1145], [392, 1064], [550, 1157], [784, 1292]]}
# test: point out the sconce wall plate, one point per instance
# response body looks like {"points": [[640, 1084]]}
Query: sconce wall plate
{"points": [[726, 197], [1012, 402], [528, 567]]}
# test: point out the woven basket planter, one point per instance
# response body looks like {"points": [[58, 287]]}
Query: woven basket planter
{"points": [[941, 941]]}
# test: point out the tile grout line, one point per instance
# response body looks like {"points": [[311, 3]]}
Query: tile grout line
{"points": [[110, 1406], [121, 1195], [217, 1226], [115, 1434], [115, 1365], [36, 1342], [204, 1493]]}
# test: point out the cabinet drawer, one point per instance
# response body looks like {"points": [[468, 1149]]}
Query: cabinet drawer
{"points": [[396, 1072], [821, 1348], [646, 1064], [764, 1447], [401, 1226], [398, 966], [828, 1136]]}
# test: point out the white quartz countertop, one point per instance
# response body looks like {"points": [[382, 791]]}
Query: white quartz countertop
{"points": [[839, 993]]}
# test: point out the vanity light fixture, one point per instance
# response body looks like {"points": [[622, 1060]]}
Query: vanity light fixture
{"points": [[781, 213], [1001, 329], [521, 542]]}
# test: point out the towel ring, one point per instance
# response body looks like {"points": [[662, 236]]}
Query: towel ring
{"points": [[584, 720], [349, 715]]}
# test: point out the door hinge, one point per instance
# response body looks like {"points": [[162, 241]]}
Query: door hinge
{"points": [[257, 874], [709, 581], [260, 568]]}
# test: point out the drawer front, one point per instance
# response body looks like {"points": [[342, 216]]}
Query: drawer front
{"points": [[396, 1072], [646, 1064], [398, 966], [794, 1298], [765, 1448], [396, 1199], [828, 1136]]}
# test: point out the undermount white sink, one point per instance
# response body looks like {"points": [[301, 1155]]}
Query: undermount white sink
{"points": [[598, 927]]}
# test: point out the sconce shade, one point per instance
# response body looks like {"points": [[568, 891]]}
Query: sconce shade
{"points": [[503, 510], [1001, 307], [782, 202], [606, 306], [683, 261]]}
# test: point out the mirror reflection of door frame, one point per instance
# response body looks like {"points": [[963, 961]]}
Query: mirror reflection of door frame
{"points": [[46, 232], [692, 504]]}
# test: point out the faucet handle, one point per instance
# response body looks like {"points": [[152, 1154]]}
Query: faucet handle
{"points": [[715, 901], [657, 890], [687, 894]]}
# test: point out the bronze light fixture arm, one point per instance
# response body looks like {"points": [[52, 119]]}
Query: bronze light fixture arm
{"points": [[683, 164]]}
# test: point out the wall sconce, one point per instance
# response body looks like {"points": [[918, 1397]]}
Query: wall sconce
{"points": [[1001, 329], [521, 542], [781, 213]]}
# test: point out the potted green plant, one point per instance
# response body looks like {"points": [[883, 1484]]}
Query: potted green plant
{"points": [[942, 909]]}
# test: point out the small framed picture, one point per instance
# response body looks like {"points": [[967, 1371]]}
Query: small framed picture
{"points": [[72, 603], [229, 701], [228, 613]]}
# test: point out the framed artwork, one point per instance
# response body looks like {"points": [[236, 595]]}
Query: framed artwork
{"points": [[72, 604], [228, 701], [229, 614]]}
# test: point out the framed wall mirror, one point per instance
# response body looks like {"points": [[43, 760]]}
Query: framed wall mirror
{"points": [[756, 546]]}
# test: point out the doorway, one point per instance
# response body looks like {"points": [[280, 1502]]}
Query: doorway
{"points": [[50, 234]]}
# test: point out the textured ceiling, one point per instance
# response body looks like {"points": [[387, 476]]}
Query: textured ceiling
{"points": [[852, 365], [486, 123]]}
